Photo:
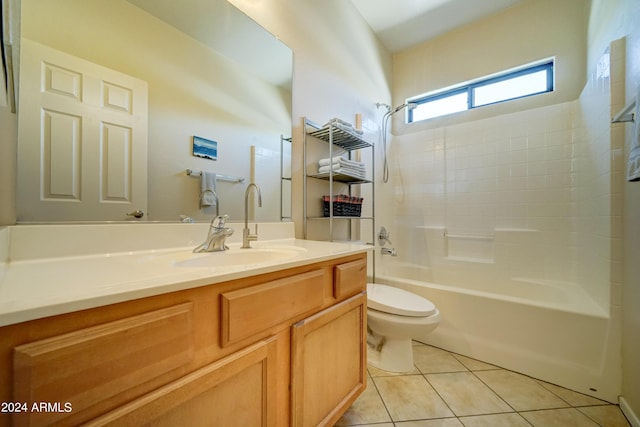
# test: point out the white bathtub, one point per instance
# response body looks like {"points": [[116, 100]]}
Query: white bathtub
{"points": [[551, 331]]}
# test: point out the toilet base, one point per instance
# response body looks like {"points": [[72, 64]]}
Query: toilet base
{"points": [[395, 355]]}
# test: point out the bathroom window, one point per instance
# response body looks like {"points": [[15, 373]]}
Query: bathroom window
{"points": [[531, 79]]}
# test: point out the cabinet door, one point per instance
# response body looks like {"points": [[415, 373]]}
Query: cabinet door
{"points": [[328, 362], [94, 369], [234, 391]]}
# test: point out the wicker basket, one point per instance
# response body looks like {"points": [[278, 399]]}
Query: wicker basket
{"points": [[343, 205]]}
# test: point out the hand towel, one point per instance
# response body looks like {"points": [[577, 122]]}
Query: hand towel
{"points": [[207, 189], [633, 165]]}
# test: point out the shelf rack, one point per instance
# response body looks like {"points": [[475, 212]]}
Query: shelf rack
{"points": [[285, 178], [337, 137]]}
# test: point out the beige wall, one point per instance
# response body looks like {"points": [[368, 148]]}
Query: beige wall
{"points": [[613, 19], [524, 33], [8, 134], [340, 69], [8, 126], [610, 20]]}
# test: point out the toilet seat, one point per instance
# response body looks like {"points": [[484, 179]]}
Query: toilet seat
{"points": [[389, 299]]}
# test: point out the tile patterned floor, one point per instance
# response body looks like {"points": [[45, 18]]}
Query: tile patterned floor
{"points": [[450, 390]]}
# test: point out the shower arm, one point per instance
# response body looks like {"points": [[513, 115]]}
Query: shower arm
{"points": [[385, 119]]}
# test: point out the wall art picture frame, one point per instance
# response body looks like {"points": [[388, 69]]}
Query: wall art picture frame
{"points": [[205, 148]]}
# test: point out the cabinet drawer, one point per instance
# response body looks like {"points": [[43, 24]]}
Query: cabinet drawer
{"points": [[350, 278], [237, 390], [93, 366], [248, 311]]}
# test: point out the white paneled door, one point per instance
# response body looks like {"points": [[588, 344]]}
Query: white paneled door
{"points": [[82, 139]]}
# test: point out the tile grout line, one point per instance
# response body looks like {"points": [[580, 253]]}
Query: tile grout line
{"points": [[380, 396], [437, 392]]}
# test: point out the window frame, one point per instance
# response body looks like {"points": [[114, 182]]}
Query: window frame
{"points": [[469, 88]]}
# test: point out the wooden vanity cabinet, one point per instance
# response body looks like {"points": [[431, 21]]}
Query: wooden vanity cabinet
{"points": [[275, 349], [328, 362]]}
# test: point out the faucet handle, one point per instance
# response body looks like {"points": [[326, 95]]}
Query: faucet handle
{"points": [[383, 237], [219, 221]]}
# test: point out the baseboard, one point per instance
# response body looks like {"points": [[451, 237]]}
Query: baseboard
{"points": [[632, 417]]}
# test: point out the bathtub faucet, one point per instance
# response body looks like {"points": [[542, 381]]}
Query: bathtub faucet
{"points": [[389, 251]]}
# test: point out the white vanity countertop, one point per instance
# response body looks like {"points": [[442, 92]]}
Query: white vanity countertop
{"points": [[41, 287]]}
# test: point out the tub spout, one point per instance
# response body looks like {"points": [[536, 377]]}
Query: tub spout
{"points": [[389, 251]]}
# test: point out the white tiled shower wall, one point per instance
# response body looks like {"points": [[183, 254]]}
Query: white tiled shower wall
{"points": [[599, 250], [529, 194]]}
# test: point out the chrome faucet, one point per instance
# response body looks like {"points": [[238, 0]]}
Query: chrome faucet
{"points": [[217, 236], [388, 251], [247, 237]]}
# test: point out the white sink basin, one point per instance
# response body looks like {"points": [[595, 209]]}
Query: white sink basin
{"points": [[231, 257]]}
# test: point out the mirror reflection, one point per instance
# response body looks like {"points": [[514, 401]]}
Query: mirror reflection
{"points": [[209, 71]]}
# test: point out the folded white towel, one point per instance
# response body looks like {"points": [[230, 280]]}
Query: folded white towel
{"points": [[207, 189], [327, 161], [356, 173], [325, 169], [337, 121], [349, 129], [633, 165], [343, 168], [340, 161]]}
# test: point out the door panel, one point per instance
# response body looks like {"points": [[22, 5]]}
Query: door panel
{"points": [[82, 139]]}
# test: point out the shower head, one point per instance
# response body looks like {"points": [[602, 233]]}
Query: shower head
{"points": [[409, 105]]}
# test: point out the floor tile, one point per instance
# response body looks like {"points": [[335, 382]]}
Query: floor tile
{"points": [[573, 398], [442, 422], [496, 420], [411, 397], [519, 391], [431, 360], [466, 394], [375, 372], [368, 408], [477, 392], [566, 417], [606, 416]]}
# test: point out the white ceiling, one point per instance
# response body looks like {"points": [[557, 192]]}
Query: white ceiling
{"points": [[403, 23]]}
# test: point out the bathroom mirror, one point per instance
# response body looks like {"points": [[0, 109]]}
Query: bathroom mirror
{"points": [[210, 72]]}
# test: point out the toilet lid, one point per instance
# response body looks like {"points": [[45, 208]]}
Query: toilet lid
{"points": [[398, 301]]}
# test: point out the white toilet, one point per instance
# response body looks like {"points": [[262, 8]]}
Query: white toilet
{"points": [[394, 317]]}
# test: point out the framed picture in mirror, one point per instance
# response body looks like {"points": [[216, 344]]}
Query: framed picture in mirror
{"points": [[205, 148]]}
